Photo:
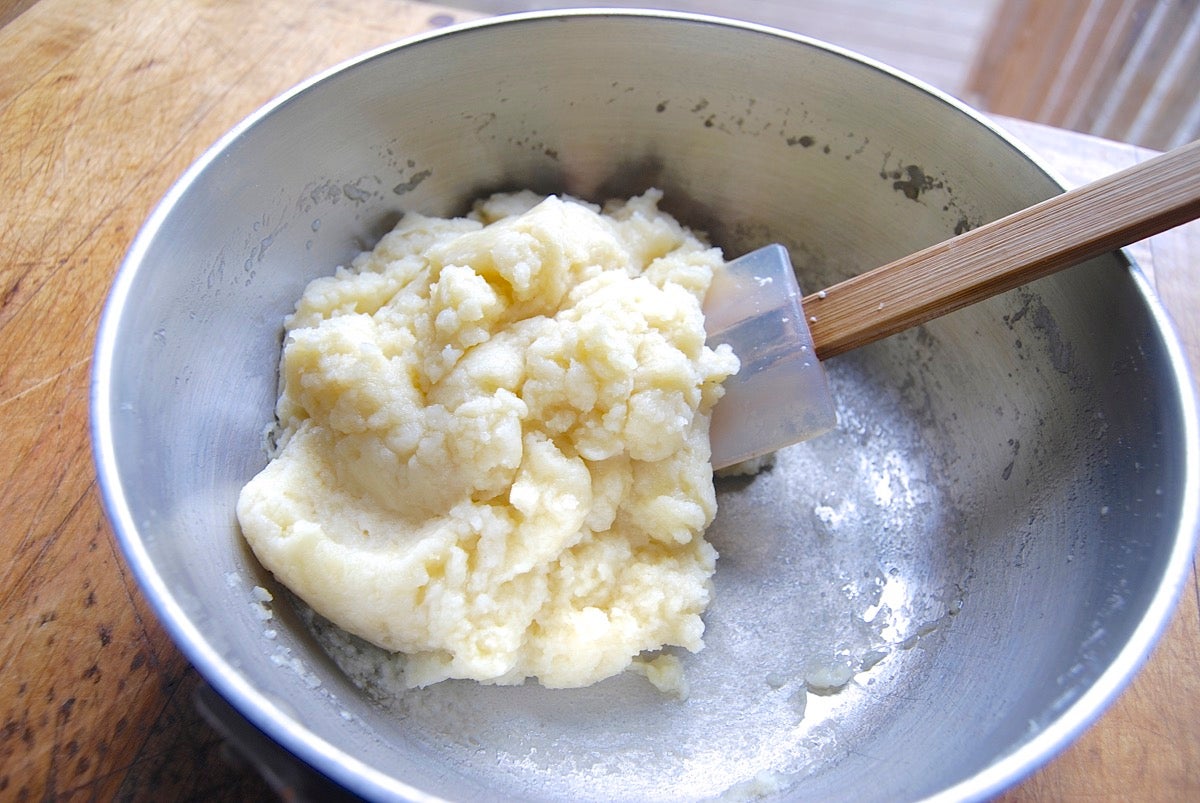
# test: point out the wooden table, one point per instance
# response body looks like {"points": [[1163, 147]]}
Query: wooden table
{"points": [[102, 105]]}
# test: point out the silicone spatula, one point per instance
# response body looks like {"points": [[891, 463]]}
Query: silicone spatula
{"points": [[780, 396]]}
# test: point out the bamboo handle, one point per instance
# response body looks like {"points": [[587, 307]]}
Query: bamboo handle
{"points": [[1115, 211]]}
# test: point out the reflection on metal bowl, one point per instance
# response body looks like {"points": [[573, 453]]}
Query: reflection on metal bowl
{"points": [[985, 548]]}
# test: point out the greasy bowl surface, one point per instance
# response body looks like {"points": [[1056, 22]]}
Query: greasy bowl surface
{"points": [[993, 537]]}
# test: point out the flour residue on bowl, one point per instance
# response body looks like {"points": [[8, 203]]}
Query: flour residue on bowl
{"points": [[813, 633]]}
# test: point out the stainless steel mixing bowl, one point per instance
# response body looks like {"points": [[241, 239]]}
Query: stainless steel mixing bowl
{"points": [[990, 541]]}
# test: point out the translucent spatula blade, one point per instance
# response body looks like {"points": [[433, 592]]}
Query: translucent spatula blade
{"points": [[780, 395]]}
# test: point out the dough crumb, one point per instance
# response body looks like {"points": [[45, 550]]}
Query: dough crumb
{"points": [[763, 784], [827, 675], [665, 673]]}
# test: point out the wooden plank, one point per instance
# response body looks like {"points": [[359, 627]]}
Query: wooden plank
{"points": [[1170, 114], [1020, 57], [11, 9], [1077, 71], [102, 106], [1157, 41], [1121, 69]]}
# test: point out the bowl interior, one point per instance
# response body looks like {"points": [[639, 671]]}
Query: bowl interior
{"points": [[992, 536]]}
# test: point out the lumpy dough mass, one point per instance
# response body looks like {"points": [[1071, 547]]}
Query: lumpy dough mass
{"points": [[492, 449]]}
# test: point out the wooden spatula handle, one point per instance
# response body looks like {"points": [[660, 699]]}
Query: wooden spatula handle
{"points": [[1115, 211]]}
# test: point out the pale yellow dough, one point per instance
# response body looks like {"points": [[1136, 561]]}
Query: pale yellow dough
{"points": [[493, 448]]}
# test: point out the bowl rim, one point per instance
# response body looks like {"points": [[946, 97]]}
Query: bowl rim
{"points": [[1004, 772]]}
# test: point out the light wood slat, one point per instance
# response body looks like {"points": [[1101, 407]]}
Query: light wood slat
{"points": [[1122, 69], [1142, 70], [11, 9], [1019, 59], [1176, 89], [1078, 75], [1102, 60]]}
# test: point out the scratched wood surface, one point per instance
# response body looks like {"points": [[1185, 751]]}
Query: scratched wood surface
{"points": [[103, 103]]}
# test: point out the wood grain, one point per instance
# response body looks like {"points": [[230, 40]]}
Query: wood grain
{"points": [[1126, 69], [102, 105], [11, 9]]}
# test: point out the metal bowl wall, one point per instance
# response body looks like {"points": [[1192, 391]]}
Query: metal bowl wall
{"points": [[992, 538]]}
